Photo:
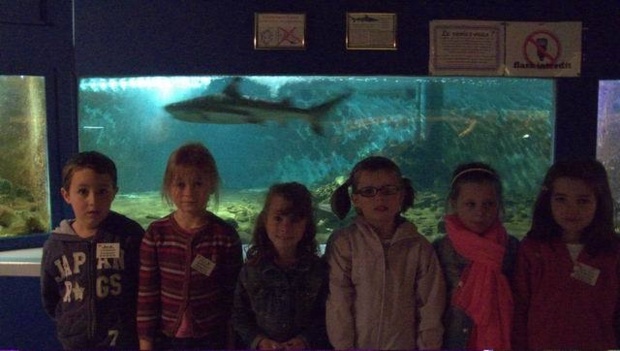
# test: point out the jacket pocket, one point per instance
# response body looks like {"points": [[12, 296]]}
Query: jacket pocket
{"points": [[73, 327]]}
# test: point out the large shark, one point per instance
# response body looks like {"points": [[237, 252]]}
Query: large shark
{"points": [[229, 107]]}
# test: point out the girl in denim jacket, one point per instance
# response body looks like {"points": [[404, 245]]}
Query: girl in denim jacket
{"points": [[279, 301]]}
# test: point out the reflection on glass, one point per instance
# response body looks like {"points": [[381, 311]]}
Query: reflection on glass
{"points": [[24, 197], [313, 129], [607, 146]]}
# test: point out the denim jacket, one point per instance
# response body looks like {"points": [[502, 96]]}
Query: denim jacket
{"points": [[458, 326], [282, 303]]}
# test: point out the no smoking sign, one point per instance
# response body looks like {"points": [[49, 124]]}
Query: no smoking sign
{"points": [[542, 47], [550, 49]]}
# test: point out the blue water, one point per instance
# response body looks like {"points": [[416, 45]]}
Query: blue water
{"points": [[427, 125]]}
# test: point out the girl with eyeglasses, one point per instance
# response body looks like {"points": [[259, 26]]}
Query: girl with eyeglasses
{"points": [[478, 259], [386, 288]]}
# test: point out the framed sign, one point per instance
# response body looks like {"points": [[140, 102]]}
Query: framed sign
{"points": [[464, 47], [371, 31], [547, 49], [279, 31], [493, 48]]}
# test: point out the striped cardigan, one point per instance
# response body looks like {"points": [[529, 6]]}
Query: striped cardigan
{"points": [[169, 285]]}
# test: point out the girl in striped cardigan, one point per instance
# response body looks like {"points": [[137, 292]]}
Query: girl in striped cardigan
{"points": [[189, 262]]}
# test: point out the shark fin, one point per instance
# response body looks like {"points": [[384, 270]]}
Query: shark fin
{"points": [[286, 102], [317, 127], [317, 113], [253, 120], [232, 89]]}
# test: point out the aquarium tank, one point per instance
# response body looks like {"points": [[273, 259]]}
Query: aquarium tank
{"points": [[608, 134], [24, 186], [312, 129]]}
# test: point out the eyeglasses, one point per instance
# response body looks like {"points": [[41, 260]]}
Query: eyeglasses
{"points": [[371, 191]]}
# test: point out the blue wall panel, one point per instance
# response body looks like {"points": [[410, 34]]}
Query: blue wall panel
{"points": [[24, 324]]}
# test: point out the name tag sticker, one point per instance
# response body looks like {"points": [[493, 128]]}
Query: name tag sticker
{"points": [[585, 273], [203, 265], [108, 250]]}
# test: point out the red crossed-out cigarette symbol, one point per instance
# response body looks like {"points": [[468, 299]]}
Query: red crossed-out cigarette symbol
{"points": [[288, 36], [545, 44]]}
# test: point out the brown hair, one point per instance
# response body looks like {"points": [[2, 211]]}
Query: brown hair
{"points": [[94, 160], [340, 199], [475, 172], [599, 235], [300, 206]]}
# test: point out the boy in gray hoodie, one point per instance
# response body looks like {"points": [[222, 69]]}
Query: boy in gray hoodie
{"points": [[90, 264]]}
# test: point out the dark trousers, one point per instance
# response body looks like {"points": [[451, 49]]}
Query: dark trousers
{"points": [[208, 343]]}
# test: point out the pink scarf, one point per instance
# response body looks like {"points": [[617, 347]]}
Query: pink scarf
{"points": [[483, 292]]}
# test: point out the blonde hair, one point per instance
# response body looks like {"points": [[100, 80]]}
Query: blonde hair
{"points": [[194, 156]]}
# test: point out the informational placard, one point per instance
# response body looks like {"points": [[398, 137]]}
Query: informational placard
{"points": [[371, 31], [466, 48], [279, 31], [520, 49], [543, 49]]}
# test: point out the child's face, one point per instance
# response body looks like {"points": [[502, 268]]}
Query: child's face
{"points": [[190, 191], [90, 194], [384, 206], [284, 230], [573, 206], [476, 206]]}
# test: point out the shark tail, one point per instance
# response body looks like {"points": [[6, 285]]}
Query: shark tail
{"points": [[318, 113]]}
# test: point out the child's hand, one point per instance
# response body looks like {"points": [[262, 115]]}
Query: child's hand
{"points": [[295, 344], [268, 344]]}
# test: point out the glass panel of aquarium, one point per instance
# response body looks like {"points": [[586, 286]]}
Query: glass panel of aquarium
{"points": [[608, 134], [313, 129], [24, 186]]}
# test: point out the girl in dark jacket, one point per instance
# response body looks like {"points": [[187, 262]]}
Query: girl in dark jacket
{"points": [[280, 297]]}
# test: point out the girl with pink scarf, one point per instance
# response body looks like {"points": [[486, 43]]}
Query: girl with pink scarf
{"points": [[478, 257]]}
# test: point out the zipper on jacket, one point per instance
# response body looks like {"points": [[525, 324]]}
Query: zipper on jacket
{"points": [[382, 308], [386, 248], [92, 300]]}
